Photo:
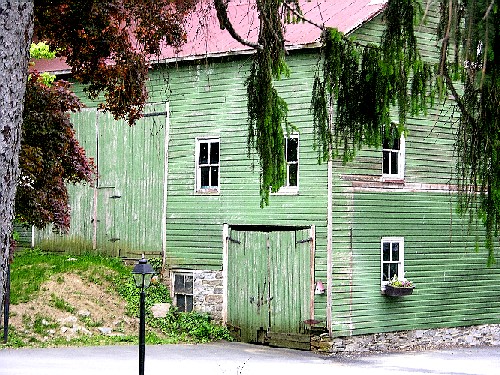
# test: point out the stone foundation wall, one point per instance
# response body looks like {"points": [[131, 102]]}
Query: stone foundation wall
{"points": [[422, 339], [208, 293]]}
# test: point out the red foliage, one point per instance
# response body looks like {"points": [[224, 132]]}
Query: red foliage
{"points": [[50, 155], [107, 43]]}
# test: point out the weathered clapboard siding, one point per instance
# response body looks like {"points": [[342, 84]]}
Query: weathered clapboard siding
{"points": [[453, 285], [124, 216], [210, 100], [81, 197]]}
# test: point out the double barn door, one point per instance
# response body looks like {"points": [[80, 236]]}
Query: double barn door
{"points": [[270, 282]]}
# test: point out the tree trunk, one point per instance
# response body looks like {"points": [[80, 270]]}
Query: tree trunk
{"points": [[16, 30]]}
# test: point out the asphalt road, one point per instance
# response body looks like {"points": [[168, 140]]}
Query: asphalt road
{"points": [[241, 359]]}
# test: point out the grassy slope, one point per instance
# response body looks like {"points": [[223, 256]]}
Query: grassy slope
{"points": [[91, 292]]}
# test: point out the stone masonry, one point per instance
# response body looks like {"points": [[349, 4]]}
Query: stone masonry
{"points": [[208, 298], [208, 293], [422, 339]]}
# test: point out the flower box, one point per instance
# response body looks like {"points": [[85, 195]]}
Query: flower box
{"points": [[394, 291]]}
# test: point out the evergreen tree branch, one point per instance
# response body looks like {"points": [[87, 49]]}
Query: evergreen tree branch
{"points": [[225, 23], [301, 16]]}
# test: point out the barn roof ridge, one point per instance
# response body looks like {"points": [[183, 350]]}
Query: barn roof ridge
{"points": [[206, 39]]}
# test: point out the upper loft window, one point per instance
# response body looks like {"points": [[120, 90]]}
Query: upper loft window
{"points": [[393, 158], [292, 165], [207, 165]]}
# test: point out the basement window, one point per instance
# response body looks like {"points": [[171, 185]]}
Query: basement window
{"points": [[207, 165], [183, 291], [391, 259]]}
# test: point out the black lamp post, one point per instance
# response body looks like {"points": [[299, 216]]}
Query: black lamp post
{"points": [[143, 272]]}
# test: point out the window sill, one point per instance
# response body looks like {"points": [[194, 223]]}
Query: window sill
{"points": [[207, 192], [393, 180], [287, 191]]}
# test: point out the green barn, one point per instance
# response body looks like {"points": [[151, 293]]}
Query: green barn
{"points": [[180, 185]]}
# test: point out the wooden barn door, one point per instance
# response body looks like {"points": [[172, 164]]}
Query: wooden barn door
{"points": [[129, 204], [248, 285], [270, 281]]}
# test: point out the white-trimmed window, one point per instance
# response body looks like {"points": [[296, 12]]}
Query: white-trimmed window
{"points": [[183, 291], [391, 259], [207, 165], [393, 158], [292, 165]]}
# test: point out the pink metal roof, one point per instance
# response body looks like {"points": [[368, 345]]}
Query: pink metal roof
{"points": [[205, 37]]}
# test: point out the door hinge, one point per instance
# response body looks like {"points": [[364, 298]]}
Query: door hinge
{"points": [[233, 240], [304, 241]]}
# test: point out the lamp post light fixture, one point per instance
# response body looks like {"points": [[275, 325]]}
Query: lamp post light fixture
{"points": [[143, 272]]}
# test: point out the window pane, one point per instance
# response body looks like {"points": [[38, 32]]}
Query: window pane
{"points": [[204, 176], [393, 270], [181, 302], [386, 143], [183, 284], [292, 174], [203, 159], [391, 141], [385, 272], [189, 303], [394, 163], [385, 162], [396, 145], [189, 283], [214, 174], [386, 255], [214, 153], [291, 150], [178, 282], [395, 252]]}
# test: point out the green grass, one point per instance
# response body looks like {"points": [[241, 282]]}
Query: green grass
{"points": [[31, 268], [61, 304], [19, 339]]}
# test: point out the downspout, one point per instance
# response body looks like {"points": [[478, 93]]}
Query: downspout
{"points": [[165, 188], [312, 250], [329, 249], [225, 254]]}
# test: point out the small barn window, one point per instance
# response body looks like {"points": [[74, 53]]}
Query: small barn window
{"points": [[183, 291], [292, 165], [207, 165], [392, 259], [393, 158]]}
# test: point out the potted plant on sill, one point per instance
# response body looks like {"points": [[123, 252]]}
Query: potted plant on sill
{"points": [[398, 288]]}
